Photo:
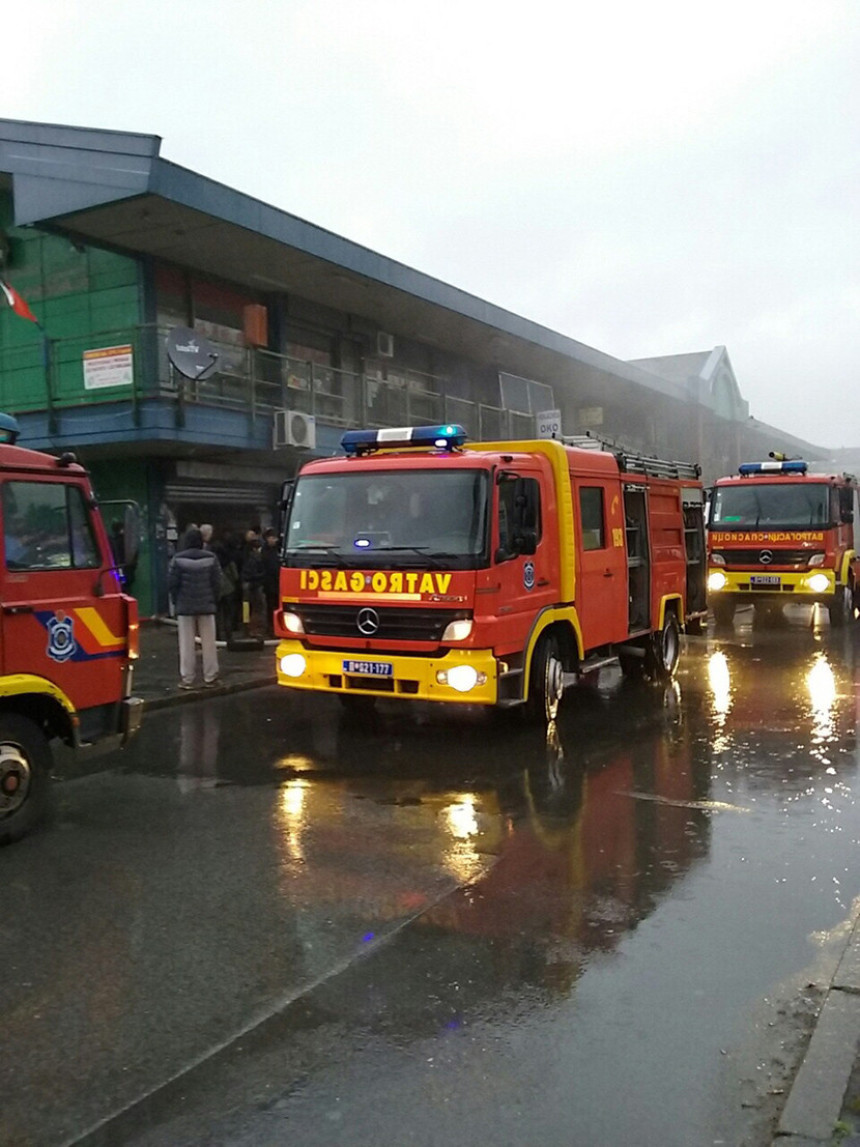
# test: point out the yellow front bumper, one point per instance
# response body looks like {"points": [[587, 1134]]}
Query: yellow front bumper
{"points": [[413, 678], [787, 586]]}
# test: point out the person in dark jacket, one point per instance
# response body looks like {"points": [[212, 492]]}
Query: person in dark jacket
{"points": [[253, 578], [271, 575], [194, 581]]}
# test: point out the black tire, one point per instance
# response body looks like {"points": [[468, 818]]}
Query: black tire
{"points": [[841, 609], [25, 776], [724, 612], [546, 681], [664, 650]]}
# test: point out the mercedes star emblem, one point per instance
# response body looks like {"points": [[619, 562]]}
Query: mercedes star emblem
{"points": [[765, 557], [367, 621]]}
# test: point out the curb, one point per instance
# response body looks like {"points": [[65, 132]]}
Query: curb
{"points": [[201, 694], [817, 1094]]}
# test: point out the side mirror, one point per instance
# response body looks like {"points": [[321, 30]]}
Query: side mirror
{"points": [[847, 517]]}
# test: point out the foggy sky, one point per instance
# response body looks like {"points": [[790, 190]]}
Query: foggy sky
{"points": [[647, 179]]}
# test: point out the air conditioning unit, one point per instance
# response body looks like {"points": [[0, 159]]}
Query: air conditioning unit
{"points": [[294, 428], [384, 344]]}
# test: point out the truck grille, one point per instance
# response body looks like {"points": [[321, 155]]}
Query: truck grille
{"points": [[396, 623], [741, 559]]}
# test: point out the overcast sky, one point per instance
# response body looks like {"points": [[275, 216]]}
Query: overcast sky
{"points": [[647, 178]]}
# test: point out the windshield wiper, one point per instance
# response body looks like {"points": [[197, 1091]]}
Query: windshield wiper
{"points": [[432, 559]]}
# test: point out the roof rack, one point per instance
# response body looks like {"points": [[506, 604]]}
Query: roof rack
{"points": [[631, 462]]}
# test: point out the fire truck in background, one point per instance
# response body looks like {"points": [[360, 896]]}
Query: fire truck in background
{"points": [[419, 568], [779, 534], [68, 634]]}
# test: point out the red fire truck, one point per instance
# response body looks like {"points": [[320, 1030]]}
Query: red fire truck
{"points": [[779, 534], [68, 634], [417, 568]]}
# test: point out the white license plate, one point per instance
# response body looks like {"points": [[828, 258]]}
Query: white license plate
{"points": [[764, 579], [368, 668]]}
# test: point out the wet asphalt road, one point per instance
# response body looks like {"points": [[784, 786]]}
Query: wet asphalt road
{"points": [[265, 923]]}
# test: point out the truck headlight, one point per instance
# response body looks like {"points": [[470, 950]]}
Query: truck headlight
{"points": [[293, 665], [461, 677], [717, 580], [291, 622], [818, 583], [457, 630], [816, 560]]}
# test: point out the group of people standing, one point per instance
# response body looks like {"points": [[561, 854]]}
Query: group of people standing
{"points": [[212, 583]]}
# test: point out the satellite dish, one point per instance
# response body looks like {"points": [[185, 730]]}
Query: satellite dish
{"points": [[191, 354]]}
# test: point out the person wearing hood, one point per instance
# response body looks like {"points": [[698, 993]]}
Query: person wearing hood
{"points": [[194, 581]]}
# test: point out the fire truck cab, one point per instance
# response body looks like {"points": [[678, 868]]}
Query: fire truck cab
{"points": [[779, 534], [68, 634], [419, 568]]}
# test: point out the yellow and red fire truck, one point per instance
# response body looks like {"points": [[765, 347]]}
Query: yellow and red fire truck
{"points": [[419, 568], [68, 634], [778, 534]]}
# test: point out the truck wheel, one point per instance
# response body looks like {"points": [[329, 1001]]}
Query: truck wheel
{"points": [[25, 776], [546, 683], [663, 650], [724, 612], [841, 609]]}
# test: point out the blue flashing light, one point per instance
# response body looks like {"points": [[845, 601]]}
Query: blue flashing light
{"points": [[447, 437], [362, 543], [9, 429], [753, 469]]}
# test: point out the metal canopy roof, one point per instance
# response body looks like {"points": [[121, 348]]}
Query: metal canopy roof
{"points": [[113, 188]]}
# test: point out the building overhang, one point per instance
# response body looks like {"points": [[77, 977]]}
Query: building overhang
{"points": [[113, 188]]}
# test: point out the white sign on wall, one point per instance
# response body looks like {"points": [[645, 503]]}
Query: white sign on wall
{"points": [[548, 424], [108, 366]]}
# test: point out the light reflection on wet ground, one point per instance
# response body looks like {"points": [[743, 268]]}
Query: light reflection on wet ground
{"points": [[563, 933]]}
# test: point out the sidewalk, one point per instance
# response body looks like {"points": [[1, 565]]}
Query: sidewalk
{"points": [[156, 674], [822, 1104]]}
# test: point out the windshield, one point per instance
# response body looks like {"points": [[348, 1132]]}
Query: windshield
{"points": [[365, 518], [767, 505]]}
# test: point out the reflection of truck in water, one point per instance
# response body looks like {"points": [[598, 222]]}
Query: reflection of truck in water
{"points": [[68, 634], [420, 568], [778, 534]]}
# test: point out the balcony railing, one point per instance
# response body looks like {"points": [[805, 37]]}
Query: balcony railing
{"points": [[50, 376]]}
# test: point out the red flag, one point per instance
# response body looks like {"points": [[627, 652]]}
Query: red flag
{"points": [[18, 305]]}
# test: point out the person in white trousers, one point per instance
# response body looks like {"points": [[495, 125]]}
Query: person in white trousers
{"points": [[194, 581]]}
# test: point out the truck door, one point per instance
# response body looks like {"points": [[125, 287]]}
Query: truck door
{"points": [[61, 613], [525, 552], [601, 582]]}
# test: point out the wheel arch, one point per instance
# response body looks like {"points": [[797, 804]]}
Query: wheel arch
{"points": [[564, 624], [40, 702]]}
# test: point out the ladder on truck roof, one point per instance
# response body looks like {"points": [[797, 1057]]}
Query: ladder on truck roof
{"points": [[631, 462]]}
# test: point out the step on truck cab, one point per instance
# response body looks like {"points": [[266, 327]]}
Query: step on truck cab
{"points": [[68, 634], [778, 534], [417, 567]]}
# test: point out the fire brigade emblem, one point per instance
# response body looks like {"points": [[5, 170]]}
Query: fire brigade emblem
{"points": [[529, 575], [61, 638]]}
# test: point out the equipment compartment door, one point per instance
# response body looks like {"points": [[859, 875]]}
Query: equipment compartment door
{"points": [[601, 582], [638, 557], [63, 618]]}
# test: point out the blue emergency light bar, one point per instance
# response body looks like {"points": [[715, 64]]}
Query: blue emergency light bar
{"points": [[9, 429], [751, 469], [441, 437]]}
